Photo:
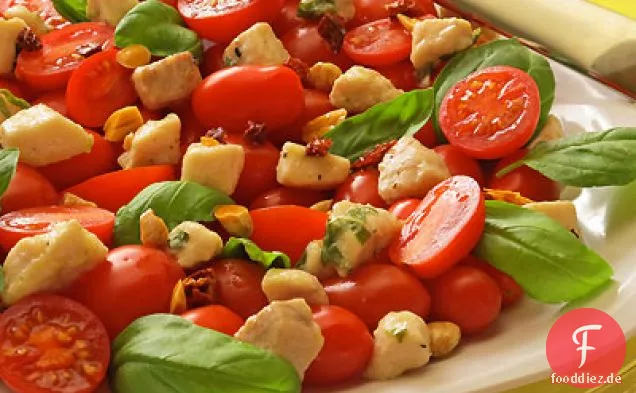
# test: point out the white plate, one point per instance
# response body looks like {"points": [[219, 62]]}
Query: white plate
{"points": [[513, 354]]}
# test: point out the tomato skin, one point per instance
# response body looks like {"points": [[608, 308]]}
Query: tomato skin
{"points": [[55, 100], [361, 187], [215, 317], [101, 159], [28, 188], [459, 163], [288, 18], [402, 75], [288, 196], [305, 43], [144, 274], [222, 25], [55, 314], [379, 43], [347, 349], [372, 291], [426, 135], [19, 224], [498, 117], [287, 229], [113, 190], [259, 170], [511, 292], [444, 229], [370, 10], [524, 180], [467, 297], [14, 87], [51, 67], [238, 286], [269, 95], [404, 208], [213, 60]]}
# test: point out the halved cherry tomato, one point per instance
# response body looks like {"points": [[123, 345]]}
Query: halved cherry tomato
{"points": [[305, 43], [97, 88], [491, 113], [459, 163], [28, 188], [50, 67], [426, 135], [45, 336], [511, 292], [524, 180], [215, 317], [259, 171], [379, 43], [445, 228], [238, 286], [404, 208], [101, 159], [55, 100], [288, 18], [361, 187], [222, 21], [347, 349], [402, 75], [370, 10], [115, 189], [467, 297], [372, 291], [14, 87], [288, 196], [287, 229], [233, 96], [316, 103], [34, 221], [44, 8]]}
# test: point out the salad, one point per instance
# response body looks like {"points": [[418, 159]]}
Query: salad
{"points": [[265, 195]]}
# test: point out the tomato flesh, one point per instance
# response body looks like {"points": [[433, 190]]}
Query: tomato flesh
{"points": [[491, 113], [379, 43]]}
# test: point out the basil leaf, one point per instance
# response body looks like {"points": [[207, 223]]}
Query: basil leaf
{"points": [[160, 28], [1, 282], [311, 9], [167, 354], [404, 115], [10, 104], [8, 165], [173, 201], [550, 263], [72, 10], [247, 249], [502, 52], [592, 159]]}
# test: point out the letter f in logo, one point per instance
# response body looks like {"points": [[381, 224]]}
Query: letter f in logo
{"points": [[583, 344]]}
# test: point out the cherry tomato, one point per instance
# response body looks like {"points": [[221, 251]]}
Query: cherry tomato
{"points": [[101, 159], [426, 135], [115, 189], [238, 286], [233, 96], [134, 281], [402, 75], [172, 3], [223, 21], [467, 297], [14, 87], [288, 18], [259, 170], [215, 317], [28, 188], [316, 103], [51, 67], [37, 347], [511, 292], [370, 10], [459, 163], [445, 228], [55, 100], [372, 291], [379, 43], [491, 113], [287, 229], [305, 43], [361, 187], [404, 208], [288, 196], [347, 349], [524, 180], [36, 220], [191, 129], [44, 8], [213, 60]]}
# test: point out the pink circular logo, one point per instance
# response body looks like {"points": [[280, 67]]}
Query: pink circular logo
{"points": [[586, 348]]}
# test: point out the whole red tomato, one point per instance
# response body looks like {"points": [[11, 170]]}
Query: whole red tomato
{"points": [[238, 286], [361, 187]]}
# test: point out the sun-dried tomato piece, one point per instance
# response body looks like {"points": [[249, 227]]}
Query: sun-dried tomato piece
{"points": [[400, 7], [256, 134], [332, 29], [318, 147], [374, 156], [300, 68], [199, 288], [28, 41], [217, 133]]}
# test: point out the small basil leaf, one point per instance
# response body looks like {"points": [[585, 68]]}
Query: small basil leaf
{"points": [[501, 52], [548, 261], [1, 282], [173, 201], [592, 159], [72, 10], [160, 28], [7, 101], [247, 249], [168, 354], [403, 115], [311, 9], [8, 165]]}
